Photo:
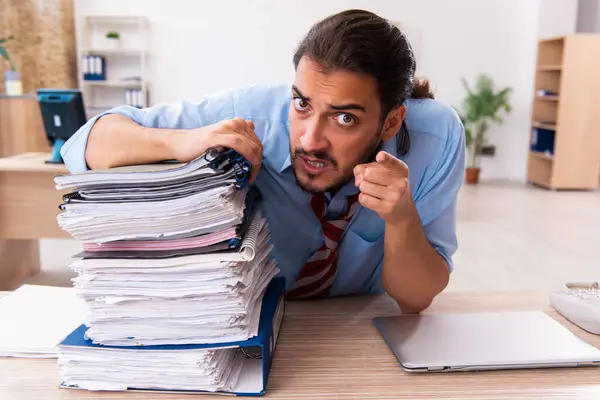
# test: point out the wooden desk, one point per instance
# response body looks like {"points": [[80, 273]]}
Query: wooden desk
{"points": [[28, 208], [330, 349]]}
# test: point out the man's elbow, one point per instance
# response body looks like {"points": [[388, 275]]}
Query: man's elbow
{"points": [[95, 159], [414, 307], [414, 304], [99, 153]]}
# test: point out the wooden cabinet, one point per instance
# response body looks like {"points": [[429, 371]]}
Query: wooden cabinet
{"points": [[565, 134], [21, 126]]}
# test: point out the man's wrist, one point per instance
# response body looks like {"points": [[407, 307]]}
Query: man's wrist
{"points": [[166, 143], [405, 224]]}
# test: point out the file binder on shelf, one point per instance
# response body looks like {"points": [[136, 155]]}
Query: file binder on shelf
{"points": [[258, 350], [94, 68]]}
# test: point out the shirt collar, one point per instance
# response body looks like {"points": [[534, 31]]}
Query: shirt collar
{"points": [[287, 163]]}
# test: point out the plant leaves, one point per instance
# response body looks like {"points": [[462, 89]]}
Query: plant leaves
{"points": [[4, 53], [482, 106], [6, 39]]}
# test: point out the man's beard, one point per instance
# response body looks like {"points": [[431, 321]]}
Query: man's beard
{"points": [[367, 156]]}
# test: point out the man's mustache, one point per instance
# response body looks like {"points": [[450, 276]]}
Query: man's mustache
{"points": [[319, 155]]}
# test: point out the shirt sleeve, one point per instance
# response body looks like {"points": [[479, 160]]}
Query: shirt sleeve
{"points": [[181, 115], [436, 203]]}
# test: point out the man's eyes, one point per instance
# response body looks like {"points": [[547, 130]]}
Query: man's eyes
{"points": [[300, 104], [345, 120], [342, 119]]}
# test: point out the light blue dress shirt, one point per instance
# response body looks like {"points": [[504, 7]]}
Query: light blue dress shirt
{"points": [[435, 161]]}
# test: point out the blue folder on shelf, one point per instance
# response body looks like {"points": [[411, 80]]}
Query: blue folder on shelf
{"points": [[259, 349]]}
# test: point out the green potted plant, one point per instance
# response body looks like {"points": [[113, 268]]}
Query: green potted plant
{"points": [[481, 107], [113, 40], [14, 86]]}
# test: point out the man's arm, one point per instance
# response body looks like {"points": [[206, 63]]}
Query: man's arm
{"points": [[413, 271], [420, 235], [181, 131], [116, 140]]}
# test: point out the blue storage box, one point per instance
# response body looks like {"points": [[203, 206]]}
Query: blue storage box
{"points": [[542, 140]]}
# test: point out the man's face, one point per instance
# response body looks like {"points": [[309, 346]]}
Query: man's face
{"points": [[335, 124]]}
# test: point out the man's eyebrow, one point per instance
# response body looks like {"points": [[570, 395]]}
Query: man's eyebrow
{"points": [[351, 106], [300, 93], [336, 107]]}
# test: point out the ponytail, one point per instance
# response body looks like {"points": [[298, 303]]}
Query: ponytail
{"points": [[421, 89]]}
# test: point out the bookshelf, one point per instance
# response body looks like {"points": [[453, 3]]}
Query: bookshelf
{"points": [[564, 148], [125, 61]]}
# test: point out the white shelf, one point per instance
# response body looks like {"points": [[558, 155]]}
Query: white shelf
{"points": [[116, 20], [127, 58], [114, 52], [115, 84]]}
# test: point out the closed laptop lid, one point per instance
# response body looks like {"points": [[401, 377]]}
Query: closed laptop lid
{"points": [[509, 340]]}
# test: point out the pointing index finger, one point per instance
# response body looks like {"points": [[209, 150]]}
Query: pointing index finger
{"points": [[390, 162]]}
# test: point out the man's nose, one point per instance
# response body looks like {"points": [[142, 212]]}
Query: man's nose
{"points": [[314, 138]]}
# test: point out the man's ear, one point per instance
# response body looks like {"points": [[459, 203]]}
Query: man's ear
{"points": [[393, 122]]}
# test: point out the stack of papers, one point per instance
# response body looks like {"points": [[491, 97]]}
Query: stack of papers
{"points": [[205, 298], [158, 369], [174, 254], [157, 202]]}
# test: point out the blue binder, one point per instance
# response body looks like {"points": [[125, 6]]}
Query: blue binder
{"points": [[255, 372]]}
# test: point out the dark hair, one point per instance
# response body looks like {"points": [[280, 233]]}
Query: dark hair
{"points": [[363, 42]]}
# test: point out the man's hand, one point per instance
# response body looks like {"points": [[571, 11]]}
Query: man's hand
{"points": [[237, 134], [384, 187]]}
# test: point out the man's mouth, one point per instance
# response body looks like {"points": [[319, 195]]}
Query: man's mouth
{"points": [[314, 166]]}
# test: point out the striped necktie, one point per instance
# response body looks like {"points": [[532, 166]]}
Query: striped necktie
{"points": [[317, 275]]}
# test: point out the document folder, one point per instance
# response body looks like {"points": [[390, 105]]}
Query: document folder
{"points": [[259, 350]]}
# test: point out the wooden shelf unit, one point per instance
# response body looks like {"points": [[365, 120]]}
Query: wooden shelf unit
{"points": [[568, 66]]}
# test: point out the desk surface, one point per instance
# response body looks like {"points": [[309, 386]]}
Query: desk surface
{"points": [[31, 162], [329, 349]]}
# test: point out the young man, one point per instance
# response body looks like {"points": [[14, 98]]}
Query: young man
{"points": [[359, 180]]}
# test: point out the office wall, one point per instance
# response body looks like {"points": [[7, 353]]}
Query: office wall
{"points": [[558, 17], [44, 46], [202, 46], [588, 16]]}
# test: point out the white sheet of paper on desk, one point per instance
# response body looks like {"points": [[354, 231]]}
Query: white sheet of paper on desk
{"points": [[35, 319]]}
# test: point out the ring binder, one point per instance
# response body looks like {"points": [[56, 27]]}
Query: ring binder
{"points": [[234, 243], [258, 350], [229, 157]]}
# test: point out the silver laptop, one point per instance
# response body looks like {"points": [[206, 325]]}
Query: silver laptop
{"points": [[483, 341]]}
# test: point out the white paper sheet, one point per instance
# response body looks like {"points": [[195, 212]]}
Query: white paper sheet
{"points": [[35, 319]]}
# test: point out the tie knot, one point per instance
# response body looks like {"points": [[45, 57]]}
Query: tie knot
{"points": [[319, 206]]}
